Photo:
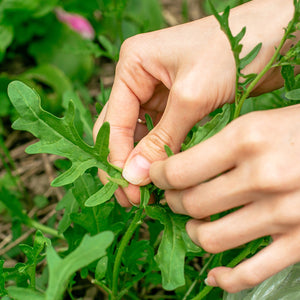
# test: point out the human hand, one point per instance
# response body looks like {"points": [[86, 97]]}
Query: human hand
{"points": [[257, 156], [178, 75]]}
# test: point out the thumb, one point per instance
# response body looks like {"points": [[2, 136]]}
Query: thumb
{"points": [[181, 113]]}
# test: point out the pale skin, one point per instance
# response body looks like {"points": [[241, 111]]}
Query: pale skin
{"points": [[180, 74]]}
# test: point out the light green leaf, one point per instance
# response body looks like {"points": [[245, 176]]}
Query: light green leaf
{"points": [[6, 37], [103, 195], [18, 293], [101, 268], [293, 95], [83, 113], [61, 270], [210, 128], [173, 247], [69, 203], [58, 135], [120, 181]]}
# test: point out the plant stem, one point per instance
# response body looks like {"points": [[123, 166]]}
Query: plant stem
{"points": [[264, 71], [136, 221], [44, 229], [198, 277], [102, 286]]}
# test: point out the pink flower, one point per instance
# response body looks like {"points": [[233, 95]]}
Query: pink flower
{"points": [[76, 23]]}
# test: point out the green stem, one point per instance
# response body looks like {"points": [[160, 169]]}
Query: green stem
{"points": [[264, 71], [125, 240], [200, 274], [251, 248], [103, 286], [44, 229]]}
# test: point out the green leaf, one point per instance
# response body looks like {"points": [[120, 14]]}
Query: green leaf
{"points": [[93, 219], [2, 279], [168, 150], [83, 113], [103, 195], [293, 95], [250, 56], [119, 181], [69, 203], [13, 204], [101, 268], [149, 122], [287, 73], [6, 37], [145, 196], [18, 293], [33, 256], [212, 127], [61, 270], [58, 135], [173, 247]]}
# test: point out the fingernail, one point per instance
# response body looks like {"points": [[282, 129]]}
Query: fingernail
{"points": [[210, 281], [136, 170]]}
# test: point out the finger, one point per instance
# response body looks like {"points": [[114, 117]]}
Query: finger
{"points": [[179, 117], [220, 194], [197, 164], [235, 229], [283, 252]]}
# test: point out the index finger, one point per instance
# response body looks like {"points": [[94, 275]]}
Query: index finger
{"points": [[195, 165]]}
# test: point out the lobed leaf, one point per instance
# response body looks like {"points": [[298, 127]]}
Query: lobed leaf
{"points": [[61, 270], [59, 135]]}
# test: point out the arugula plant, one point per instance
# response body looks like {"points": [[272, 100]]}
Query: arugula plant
{"points": [[116, 257]]}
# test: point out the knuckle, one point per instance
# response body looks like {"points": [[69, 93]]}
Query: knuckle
{"points": [[209, 242], [131, 45], [173, 174], [250, 278], [183, 97], [267, 177], [190, 205]]}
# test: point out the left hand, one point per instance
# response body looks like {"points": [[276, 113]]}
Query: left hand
{"points": [[258, 157]]}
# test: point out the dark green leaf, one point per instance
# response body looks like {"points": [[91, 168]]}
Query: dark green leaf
{"points": [[250, 56], [93, 219], [61, 270], [13, 204], [173, 247], [287, 73], [2, 279]]}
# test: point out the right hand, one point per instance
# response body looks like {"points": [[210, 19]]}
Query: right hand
{"points": [[178, 75]]}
